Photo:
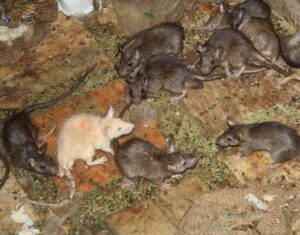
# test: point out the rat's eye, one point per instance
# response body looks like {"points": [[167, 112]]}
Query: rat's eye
{"points": [[184, 163], [43, 167], [229, 138], [129, 64]]}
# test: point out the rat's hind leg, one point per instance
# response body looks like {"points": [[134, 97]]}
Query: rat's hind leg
{"points": [[179, 97], [273, 166], [280, 156], [99, 161]]}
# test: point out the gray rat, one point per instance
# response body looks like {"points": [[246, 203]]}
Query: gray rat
{"points": [[232, 51], [140, 158], [164, 38], [256, 8], [224, 18], [163, 71], [281, 141], [259, 31], [20, 137], [290, 49]]}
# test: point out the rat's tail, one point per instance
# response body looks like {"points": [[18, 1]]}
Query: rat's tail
{"points": [[61, 97], [6, 166], [127, 106], [59, 204]]}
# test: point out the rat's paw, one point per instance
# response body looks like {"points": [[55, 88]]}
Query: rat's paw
{"points": [[127, 183], [101, 160], [165, 186], [176, 176]]}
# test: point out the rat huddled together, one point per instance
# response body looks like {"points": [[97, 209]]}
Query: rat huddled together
{"points": [[243, 41]]}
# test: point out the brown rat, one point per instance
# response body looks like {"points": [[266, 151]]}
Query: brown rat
{"points": [[259, 31], [6, 173], [163, 38], [20, 137], [163, 71], [139, 158], [231, 50], [281, 141], [290, 49]]}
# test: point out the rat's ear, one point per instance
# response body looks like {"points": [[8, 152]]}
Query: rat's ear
{"points": [[43, 148], [107, 129], [201, 48], [222, 7], [219, 52], [137, 54], [30, 162], [171, 144], [110, 113], [230, 122]]}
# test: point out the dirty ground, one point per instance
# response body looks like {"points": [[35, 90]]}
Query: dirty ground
{"points": [[60, 48]]}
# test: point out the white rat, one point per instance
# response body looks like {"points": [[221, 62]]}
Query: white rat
{"points": [[80, 136]]}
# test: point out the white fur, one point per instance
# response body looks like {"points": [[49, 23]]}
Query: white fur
{"points": [[82, 134], [10, 34]]}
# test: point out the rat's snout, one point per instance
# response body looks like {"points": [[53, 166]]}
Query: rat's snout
{"points": [[220, 142], [130, 128], [136, 100], [205, 70], [122, 72], [193, 162], [235, 26]]}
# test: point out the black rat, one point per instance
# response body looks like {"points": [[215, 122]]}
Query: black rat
{"points": [[231, 50], [20, 137], [163, 38], [163, 71], [281, 141]]}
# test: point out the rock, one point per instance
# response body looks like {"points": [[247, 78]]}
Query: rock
{"points": [[290, 10], [136, 15]]}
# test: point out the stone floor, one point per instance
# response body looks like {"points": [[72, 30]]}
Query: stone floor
{"points": [[102, 205]]}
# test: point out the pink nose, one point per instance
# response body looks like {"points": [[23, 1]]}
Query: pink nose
{"points": [[60, 172]]}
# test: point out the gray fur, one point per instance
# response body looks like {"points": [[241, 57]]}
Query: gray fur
{"points": [[163, 38], [139, 158], [231, 50], [290, 49], [163, 72], [281, 141], [259, 31], [257, 8]]}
